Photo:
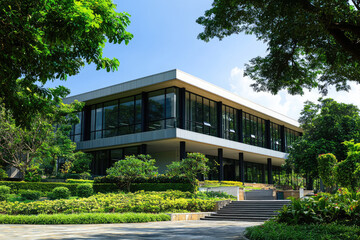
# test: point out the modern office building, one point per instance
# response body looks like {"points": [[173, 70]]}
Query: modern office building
{"points": [[169, 114]]}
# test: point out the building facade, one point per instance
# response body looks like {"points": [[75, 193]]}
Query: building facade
{"points": [[169, 114]]}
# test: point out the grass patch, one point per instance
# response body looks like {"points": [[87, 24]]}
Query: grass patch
{"points": [[83, 218], [281, 231]]}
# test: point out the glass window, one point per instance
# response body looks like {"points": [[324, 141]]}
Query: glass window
{"points": [[110, 124], [126, 115], [163, 109], [200, 114], [253, 130], [229, 123], [275, 136]]}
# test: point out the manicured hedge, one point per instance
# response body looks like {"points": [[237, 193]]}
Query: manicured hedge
{"points": [[43, 187], [113, 187], [158, 183], [83, 218], [149, 202]]}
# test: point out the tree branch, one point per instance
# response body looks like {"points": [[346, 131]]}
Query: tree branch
{"points": [[356, 4]]}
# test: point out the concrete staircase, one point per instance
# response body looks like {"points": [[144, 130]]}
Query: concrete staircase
{"points": [[248, 210]]}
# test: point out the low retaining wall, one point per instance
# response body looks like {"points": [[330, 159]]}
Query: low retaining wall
{"points": [[188, 216]]}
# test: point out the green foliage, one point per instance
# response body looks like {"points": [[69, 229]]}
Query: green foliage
{"points": [[43, 187], [346, 173], [326, 164], [59, 193], [280, 231], [78, 181], [3, 174], [342, 207], [214, 195], [84, 218], [155, 183], [33, 174], [85, 175], [84, 190], [311, 44], [147, 202], [81, 163], [39, 143], [133, 167], [4, 192], [326, 125], [191, 166], [57, 40], [30, 194]]}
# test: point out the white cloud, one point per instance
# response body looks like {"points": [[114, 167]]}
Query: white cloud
{"points": [[283, 102]]}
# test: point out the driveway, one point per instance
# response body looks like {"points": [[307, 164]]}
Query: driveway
{"points": [[153, 230]]}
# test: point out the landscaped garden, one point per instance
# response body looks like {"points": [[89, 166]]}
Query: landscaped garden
{"points": [[132, 191]]}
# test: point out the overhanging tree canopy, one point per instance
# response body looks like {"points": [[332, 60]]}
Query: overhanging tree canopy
{"points": [[42, 40], [311, 43]]}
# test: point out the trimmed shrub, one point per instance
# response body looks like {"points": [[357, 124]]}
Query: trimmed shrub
{"points": [[4, 192], [59, 193], [83, 218], [158, 183], [30, 194], [84, 190], [43, 187], [78, 181], [148, 202]]}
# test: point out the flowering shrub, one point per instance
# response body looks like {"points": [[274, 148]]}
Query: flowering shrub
{"points": [[342, 207], [148, 202]]}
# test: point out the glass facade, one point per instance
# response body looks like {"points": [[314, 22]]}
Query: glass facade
{"points": [[290, 138], [200, 114], [253, 130], [275, 136], [77, 131], [104, 159], [162, 110], [229, 120]]}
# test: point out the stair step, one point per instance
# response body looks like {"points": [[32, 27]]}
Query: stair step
{"points": [[248, 210]]}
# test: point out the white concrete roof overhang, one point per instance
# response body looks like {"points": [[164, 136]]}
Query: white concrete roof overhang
{"points": [[169, 139], [181, 79]]}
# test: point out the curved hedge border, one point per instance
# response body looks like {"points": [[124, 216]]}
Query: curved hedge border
{"points": [[83, 218]]}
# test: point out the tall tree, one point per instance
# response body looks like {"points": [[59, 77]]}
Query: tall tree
{"points": [[44, 40], [311, 43], [326, 125], [19, 147]]}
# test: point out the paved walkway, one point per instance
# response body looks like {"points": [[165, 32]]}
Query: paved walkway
{"points": [[153, 230]]}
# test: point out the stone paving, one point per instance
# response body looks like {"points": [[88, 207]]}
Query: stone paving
{"points": [[153, 230]]}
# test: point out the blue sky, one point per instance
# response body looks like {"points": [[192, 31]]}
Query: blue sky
{"points": [[165, 38]]}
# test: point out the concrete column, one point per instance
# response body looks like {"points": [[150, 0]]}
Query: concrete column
{"points": [[144, 111], [269, 168], [221, 167], [241, 167], [143, 149], [182, 150], [181, 105], [219, 120]]}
